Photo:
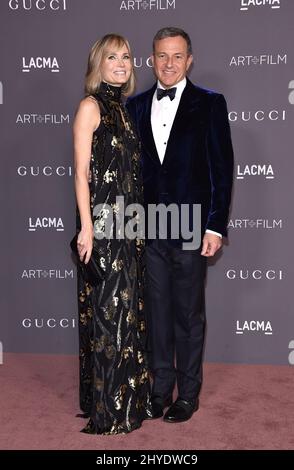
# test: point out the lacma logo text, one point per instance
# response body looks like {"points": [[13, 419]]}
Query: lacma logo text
{"points": [[40, 63], [265, 171], [246, 4], [45, 223], [255, 326]]}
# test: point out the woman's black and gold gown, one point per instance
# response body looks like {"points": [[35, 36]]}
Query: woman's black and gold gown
{"points": [[114, 379]]}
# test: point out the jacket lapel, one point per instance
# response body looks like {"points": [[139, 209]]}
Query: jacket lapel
{"points": [[146, 129], [189, 101]]}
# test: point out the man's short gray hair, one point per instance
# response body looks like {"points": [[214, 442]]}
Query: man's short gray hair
{"points": [[171, 32]]}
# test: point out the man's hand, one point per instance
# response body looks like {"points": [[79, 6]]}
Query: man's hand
{"points": [[211, 244]]}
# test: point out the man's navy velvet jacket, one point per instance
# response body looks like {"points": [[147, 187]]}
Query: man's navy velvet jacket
{"points": [[198, 163]]}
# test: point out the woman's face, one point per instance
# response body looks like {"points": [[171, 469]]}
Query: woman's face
{"points": [[116, 67]]}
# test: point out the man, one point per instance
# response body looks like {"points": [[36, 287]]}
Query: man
{"points": [[187, 159]]}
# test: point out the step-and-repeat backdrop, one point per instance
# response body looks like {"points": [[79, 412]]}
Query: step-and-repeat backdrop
{"points": [[243, 49]]}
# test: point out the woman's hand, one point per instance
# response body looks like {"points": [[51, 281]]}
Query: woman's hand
{"points": [[85, 243]]}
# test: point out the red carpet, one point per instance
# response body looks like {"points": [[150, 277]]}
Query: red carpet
{"points": [[241, 407]]}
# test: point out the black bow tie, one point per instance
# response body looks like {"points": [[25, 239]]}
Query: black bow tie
{"points": [[171, 92]]}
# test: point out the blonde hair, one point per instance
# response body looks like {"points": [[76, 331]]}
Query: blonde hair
{"points": [[96, 57]]}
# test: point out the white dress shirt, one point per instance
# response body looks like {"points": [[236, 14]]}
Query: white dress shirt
{"points": [[163, 113], [162, 117]]}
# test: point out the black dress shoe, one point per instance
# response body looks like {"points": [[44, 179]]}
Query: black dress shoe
{"points": [[158, 404], [181, 410]]}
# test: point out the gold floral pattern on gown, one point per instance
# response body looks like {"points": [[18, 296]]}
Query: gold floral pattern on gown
{"points": [[114, 378]]}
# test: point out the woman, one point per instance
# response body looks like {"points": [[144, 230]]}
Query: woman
{"points": [[114, 380]]}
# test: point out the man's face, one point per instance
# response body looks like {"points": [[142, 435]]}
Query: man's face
{"points": [[171, 60]]}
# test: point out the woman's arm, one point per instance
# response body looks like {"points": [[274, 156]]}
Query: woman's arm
{"points": [[86, 121]]}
